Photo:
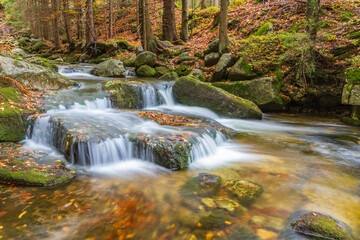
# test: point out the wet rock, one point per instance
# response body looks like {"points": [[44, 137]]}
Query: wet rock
{"points": [[193, 92], [209, 202], [241, 71], [169, 76], [312, 224], [211, 59], [219, 73], [110, 68], [145, 71], [198, 74], [241, 232], [245, 191], [208, 183], [268, 222], [145, 58], [266, 234], [33, 168], [215, 219], [33, 76], [224, 203], [263, 92]]}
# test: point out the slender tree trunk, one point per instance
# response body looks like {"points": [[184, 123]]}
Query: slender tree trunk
{"points": [[169, 25], [55, 12], [90, 26], [223, 38], [184, 33], [111, 24], [80, 16], [45, 16], [67, 20], [312, 19], [203, 4]]}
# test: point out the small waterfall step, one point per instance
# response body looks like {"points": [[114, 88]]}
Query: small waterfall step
{"points": [[99, 137]]}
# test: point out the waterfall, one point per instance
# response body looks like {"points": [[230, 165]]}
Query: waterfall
{"points": [[206, 146], [97, 104], [157, 94]]}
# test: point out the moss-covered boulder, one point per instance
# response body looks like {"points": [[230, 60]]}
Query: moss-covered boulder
{"points": [[198, 74], [226, 60], [169, 76], [183, 69], [322, 226], [124, 94], [263, 92], [130, 62], [31, 168], [241, 71], [184, 57], [145, 71], [42, 62], [110, 68], [193, 92], [211, 59], [213, 46], [33, 76], [145, 58], [245, 191], [264, 29]]}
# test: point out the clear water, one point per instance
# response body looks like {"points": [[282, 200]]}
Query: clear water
{"points": [[303, 163]]}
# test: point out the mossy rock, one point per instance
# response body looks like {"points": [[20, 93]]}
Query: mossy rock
{"points": [[211, 59], [208, 183], [169, 76], [245, 191], [264, 29], [42, 62], [123, 44], [162, 70], [226, 60], [193, 92], [100, 59], [213, 47], [314, 224], [263, 92], [145, 58], [184, 57], [145, 71], [123, 94], [351, 94], [110, 68], [39, 46], [32, 168], [198, 74], [241, 71], [183, 69]]}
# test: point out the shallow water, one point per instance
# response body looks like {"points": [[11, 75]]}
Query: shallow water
{"points": [[303, 163]]}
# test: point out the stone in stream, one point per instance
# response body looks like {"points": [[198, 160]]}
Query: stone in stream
{"points": [[33, 76], [89, 139], [208, 183], [110, 68], [245, 191], [314, 224], [193, 92], [216, 219], [31, 168], [263, 92], [169, 76]]}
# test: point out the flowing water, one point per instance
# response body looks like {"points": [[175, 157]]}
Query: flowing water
{"points": [[302, 162]]}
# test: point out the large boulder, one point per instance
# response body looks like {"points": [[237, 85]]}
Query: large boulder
{"points": [[211, 59], [124, 94], [241, 71], [110, 68], [263, 92], [145, 58], [225, 61], [310, 224], [190, 91], [32, 76]]}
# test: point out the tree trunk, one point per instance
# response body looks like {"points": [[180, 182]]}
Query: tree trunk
{"points": [[203, 4], [67, 20], [111, 24], [45, 15], [223, 38], [184, 33], [55, 12], [80, 16], [169, 25], [312, 19], [90, 26], [148, 40]]}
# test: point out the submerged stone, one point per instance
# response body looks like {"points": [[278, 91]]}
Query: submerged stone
{"points": [[208, 183], [245, 191], [193, 92], [215, 219], [314, 224]]}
